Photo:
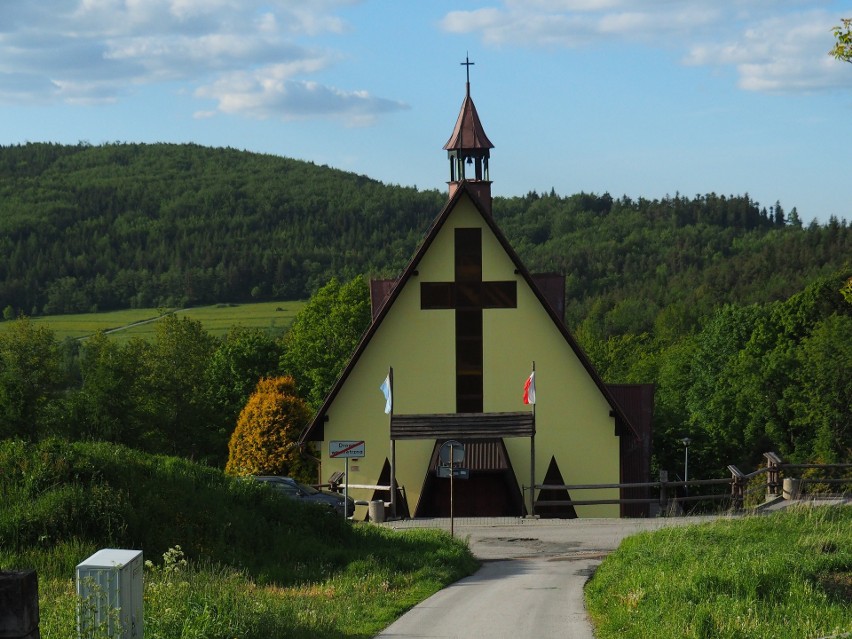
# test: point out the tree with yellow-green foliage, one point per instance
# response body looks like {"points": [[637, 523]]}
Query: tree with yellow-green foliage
{"points": [[843, 34], [265, 441]]}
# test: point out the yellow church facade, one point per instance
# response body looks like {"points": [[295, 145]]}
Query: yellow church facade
{"points": [[462, 329]]}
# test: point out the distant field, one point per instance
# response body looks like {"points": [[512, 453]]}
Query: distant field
{"points": [[218, 319]]}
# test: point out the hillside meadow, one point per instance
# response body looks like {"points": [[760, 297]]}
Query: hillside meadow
{"points": [[225, 557], [216, 319]]}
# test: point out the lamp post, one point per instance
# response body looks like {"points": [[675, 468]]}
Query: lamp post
{"points": [[686, 442]]}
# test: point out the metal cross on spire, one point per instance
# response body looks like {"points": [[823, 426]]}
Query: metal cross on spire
{"points": [[467, 63]]}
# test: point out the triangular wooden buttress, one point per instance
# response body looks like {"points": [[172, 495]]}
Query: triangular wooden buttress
{"points": [[553, 477]]}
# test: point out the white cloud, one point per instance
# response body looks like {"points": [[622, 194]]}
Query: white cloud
{"points": [[526, 28], [21, 87], [774, 46], [667, 22], [779, 54], [271, 92], [576, 22], [558, 6], [96, 50]]}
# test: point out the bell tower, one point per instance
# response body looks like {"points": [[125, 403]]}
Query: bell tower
{"points": [[468, 150]]}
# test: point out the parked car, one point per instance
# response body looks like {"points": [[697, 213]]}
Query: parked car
{"points": [[296, 490]]}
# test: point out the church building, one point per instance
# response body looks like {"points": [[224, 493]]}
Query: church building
{"points": [[453, 343]]}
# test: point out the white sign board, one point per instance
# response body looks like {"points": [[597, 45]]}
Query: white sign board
{"points": [[458, 473], [345, 449]]}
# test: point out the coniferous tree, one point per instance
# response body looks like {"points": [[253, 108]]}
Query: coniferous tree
{"points": [[265, 441]]}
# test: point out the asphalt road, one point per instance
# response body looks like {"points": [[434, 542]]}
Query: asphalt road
{"points": [[531, 581]]}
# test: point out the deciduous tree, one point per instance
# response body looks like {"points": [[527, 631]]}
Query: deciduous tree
{"points": [[175, 371], [30, 374], [241, 359], [843, 35], [323, 336]]}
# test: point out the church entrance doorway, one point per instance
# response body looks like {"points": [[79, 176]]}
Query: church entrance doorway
{"points": [[490, 491]]}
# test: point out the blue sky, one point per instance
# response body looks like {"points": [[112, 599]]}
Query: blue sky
{"points": [[642, 98]]}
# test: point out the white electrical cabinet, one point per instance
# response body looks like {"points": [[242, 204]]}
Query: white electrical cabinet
{"points": [[109, 589]]}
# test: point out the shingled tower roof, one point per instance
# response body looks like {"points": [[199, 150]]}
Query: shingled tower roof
{"points": [[468, 134]]}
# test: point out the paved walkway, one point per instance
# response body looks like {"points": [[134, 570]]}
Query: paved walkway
{"points": [[531, 582], [533, 574]]}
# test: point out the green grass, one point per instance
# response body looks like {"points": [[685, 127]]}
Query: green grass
{"points": [[787, 575], [257, 564], [218, 319], [214, 601]]}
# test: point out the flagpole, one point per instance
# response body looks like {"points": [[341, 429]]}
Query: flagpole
{"points": [[532, 455], [393, 449]]}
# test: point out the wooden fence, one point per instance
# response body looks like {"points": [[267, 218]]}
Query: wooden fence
{"points": [[740, 485]]}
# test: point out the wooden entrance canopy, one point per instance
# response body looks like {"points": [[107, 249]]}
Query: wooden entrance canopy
{"points": [[462, 425]]}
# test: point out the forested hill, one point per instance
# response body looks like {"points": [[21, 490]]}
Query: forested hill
{"points": [[101, 227], [660, 265], [121, 225]]}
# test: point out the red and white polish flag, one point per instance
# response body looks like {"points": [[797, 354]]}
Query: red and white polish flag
{"points": [[529, 389]]}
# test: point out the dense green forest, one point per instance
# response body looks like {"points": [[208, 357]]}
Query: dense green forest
{"points": [[86, 228], [660, 265], [741, 315]]}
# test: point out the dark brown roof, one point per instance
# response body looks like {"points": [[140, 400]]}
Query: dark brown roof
{"points": [[379, 292], [552, 285], [468, 133], [316, 425]]}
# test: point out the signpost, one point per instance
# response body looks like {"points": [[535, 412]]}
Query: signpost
{"points": [[450, 459], [457, 473], [347, 450]]}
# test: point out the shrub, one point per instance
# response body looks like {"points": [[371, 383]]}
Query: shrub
{"points": [[265, 441]]}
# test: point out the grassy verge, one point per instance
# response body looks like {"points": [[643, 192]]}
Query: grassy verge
{"points": [[787, 575], [251, 563], [218, 319]]}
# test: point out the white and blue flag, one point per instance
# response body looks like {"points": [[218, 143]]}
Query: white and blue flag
{"points": [[387, 392]]}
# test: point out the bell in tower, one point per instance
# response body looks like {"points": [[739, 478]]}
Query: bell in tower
{"points": [[468, 150]]}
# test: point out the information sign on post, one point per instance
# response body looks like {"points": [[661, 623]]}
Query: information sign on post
{"points": [[450, 459], [347, 450], [457, 473]]}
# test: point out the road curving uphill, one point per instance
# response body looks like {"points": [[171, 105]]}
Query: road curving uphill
{"points": [[531, 581]]}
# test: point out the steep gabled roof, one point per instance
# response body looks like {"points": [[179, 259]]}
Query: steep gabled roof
{"points": [[319, 419]]}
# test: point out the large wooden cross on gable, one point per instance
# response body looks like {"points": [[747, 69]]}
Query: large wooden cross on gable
{"points": [[468, 295]]}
